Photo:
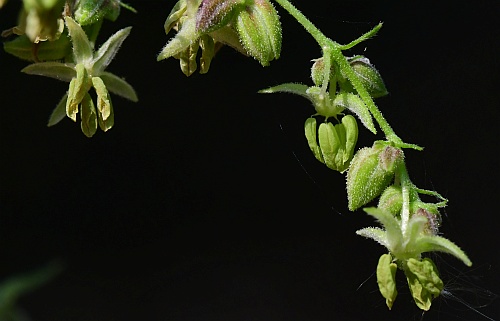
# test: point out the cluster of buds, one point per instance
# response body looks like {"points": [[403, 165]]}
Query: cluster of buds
{"points": [[252, 27]]}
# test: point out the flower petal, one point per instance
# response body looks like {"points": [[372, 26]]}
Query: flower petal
{"points": [[119, 86], [441, 244], [82, 49], [108, 50], [57, 70], [59, 112]]}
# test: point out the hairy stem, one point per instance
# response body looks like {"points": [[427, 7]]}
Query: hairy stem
{"points": [[329, 46], [320, 38], [406, 185]]}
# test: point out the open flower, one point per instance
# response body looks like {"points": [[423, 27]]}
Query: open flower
{"points": [[86, 71], [405, 247]]}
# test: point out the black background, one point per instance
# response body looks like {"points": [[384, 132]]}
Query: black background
{"points": [[204, 202]]}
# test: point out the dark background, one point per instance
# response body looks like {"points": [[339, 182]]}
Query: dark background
{"points": [[204, 202]]}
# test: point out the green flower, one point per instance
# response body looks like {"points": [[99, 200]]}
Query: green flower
{"points": [[411, 242], [86, 71], [406, 243]]}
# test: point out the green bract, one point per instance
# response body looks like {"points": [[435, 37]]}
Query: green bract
{"points": [[85, 72]]}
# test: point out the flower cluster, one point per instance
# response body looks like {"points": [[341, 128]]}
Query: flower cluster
{"points": [[252, 27]]}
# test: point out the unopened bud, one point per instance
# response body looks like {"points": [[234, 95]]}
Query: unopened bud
{"points": [[214, 14], [259, 30], [391, 200], [318, 71], [371, 171], [433, 221], [91, 11], [369, 76]]}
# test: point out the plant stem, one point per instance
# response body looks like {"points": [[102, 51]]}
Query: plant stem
{"points": [[406, 185], [330, 46], [320, 38], [347, 69]]}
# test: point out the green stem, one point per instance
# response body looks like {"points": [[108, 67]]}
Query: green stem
{"points": [[320, 38], [329, 45], [406, 185], [347, 69]]}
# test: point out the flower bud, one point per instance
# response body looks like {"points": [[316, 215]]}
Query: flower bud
{"points": [[369, 76], [391, 200], [371, 171], [433, 221], [214, 14], [259, 30], [318, 71], [91, 11]]}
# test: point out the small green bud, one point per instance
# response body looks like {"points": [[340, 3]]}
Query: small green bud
{"points": [[386, 279], [259, 30], [371, 171], [391, 200], [424, 282], [214, 14], [433, 220], [318, 71], [369, 76], [91, 11]]}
